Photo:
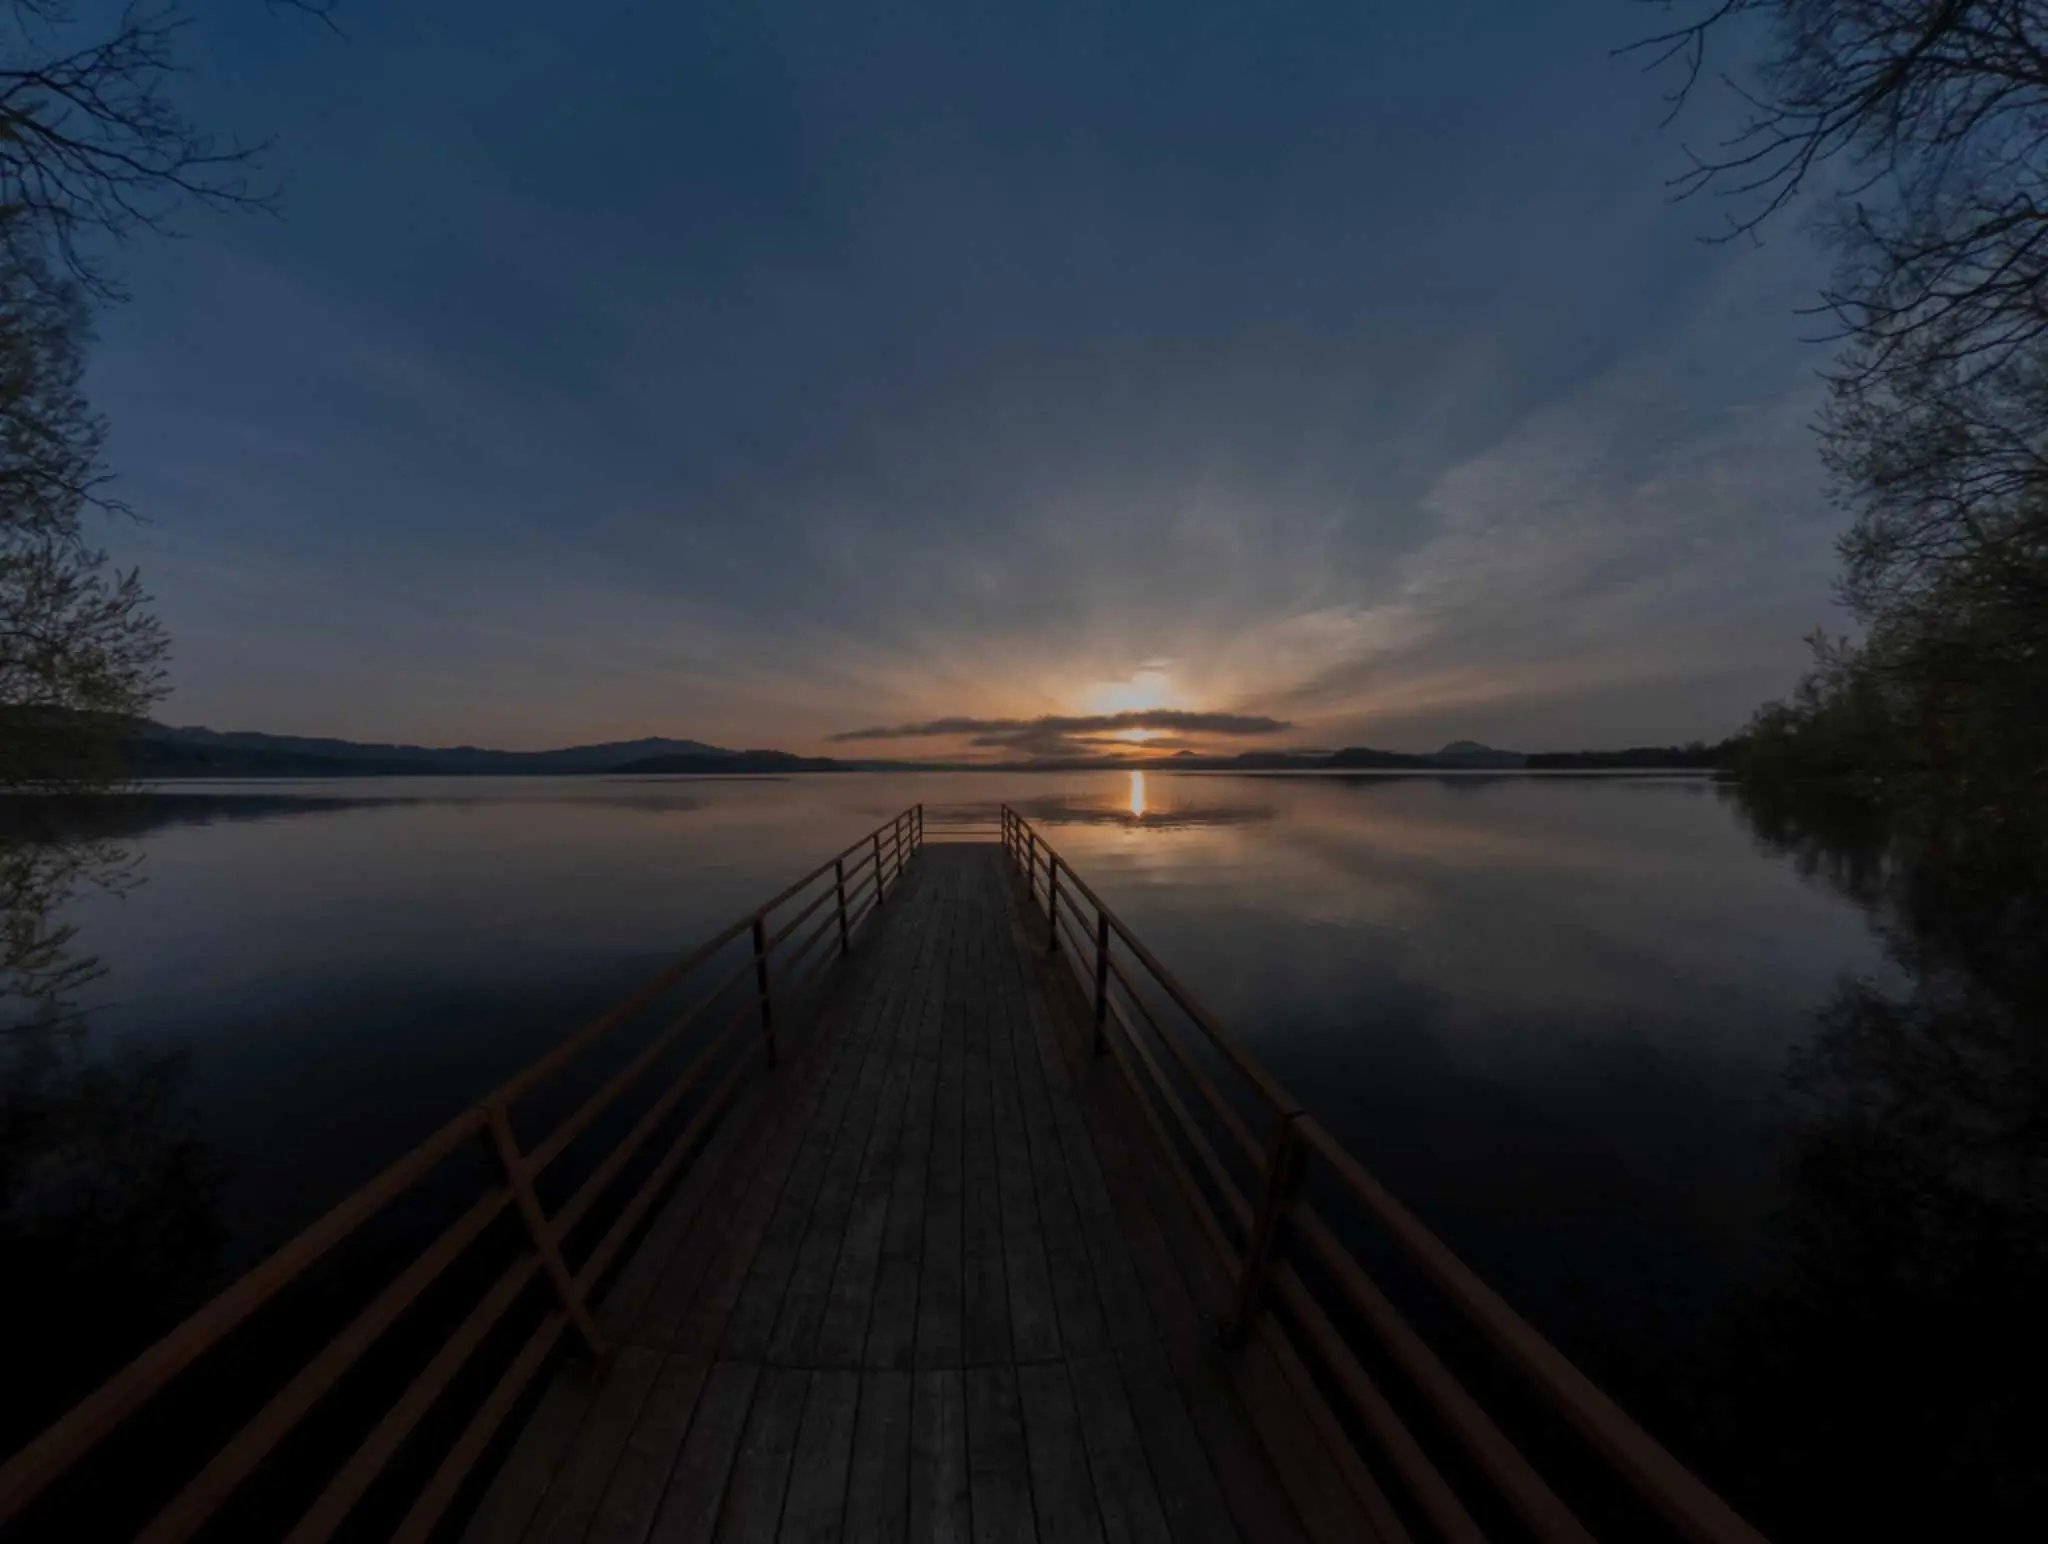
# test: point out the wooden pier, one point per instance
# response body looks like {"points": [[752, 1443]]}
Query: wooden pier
{"points": [[965, 1221], [938, 1291]]}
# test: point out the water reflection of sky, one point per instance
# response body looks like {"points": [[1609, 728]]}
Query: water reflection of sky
{"points": [[1554, 1013], [1572, 1021]]}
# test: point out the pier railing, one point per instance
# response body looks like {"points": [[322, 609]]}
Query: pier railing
{"points": [[1242, 1149], [759, 983]]}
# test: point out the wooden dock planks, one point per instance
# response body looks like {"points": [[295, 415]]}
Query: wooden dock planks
{"points": [[935, 1289]]}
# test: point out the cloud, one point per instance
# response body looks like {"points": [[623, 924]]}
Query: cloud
{"points": [[1085, 724], [1066, 735], [818, 421]]}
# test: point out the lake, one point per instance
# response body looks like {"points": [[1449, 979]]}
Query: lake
{"points": [[1573, 1021]]}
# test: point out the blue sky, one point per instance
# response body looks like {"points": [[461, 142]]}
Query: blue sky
{"points": [[756, 373]]}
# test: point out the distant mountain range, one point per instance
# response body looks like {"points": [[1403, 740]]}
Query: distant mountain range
{"points": [[1458, 755], [161, 751]]}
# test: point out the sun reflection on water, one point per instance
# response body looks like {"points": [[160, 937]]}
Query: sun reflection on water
{"points": [[1138, 794]]}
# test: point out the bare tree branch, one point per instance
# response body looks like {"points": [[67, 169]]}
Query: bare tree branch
{"points": [[94, 145]]}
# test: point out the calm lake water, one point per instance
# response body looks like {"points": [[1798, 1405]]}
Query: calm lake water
{"points": [[1570, 1020]]}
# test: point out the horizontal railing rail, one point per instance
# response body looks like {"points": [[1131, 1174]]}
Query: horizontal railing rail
{"points": [[779, 964], [1241, 1149]]}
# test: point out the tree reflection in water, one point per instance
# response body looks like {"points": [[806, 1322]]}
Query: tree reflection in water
{"points": [[1876, 1381], [108, 1233]]}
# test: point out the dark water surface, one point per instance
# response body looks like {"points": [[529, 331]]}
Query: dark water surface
{"points": [[1577, 1023]]}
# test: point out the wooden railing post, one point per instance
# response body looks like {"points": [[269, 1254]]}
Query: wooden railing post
{"points": [[1052, 903], [1101, 979], [839, 889], [761, 985], [1283, 1183], [879, 887], [1031, 865], [513, 1162]]}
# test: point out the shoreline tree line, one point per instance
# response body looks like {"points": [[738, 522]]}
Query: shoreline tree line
{"points": [[1917, 135]]}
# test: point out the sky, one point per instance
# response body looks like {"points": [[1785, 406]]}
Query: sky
{"points": [[777, 374]]}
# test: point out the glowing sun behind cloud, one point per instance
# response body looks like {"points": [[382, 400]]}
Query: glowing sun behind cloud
{"points": [[1150, 687]]}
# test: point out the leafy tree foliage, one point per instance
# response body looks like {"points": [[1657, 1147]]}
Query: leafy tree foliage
{"points": [[1923, 127], [93, 148], [80, 653]]}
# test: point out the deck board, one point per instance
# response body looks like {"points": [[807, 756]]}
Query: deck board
{"points": [[935, 1286]]}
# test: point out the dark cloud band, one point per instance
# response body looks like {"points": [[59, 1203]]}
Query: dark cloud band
{"points": [[1011, 731]]}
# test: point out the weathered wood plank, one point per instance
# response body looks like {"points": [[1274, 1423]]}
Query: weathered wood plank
{"points": [[1076, 1296], [891, 1337], [1127, 1316], [985, 1289], [759, 1481], [689, 1306], [1124, 1489], [998, 1468], [572, 1500], [742, 1296], [839, 1334], [824, 1449], [1188, 1489], [794, 1335], [634, 1497], [1034, 1319], [878, 1482], [938, 1457], [939, 1324], [832, 1289], [750, 1327], [1062, 1490], [758, 1108], [689, 1511], [718, 1245]]}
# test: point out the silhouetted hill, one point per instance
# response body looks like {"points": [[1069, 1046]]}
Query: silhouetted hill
{"points": [[1470, 753], [161, 751], [1459, 753], [732, 761]]}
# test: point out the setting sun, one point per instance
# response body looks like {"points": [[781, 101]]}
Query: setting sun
{"points": [[1143, 689]]}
